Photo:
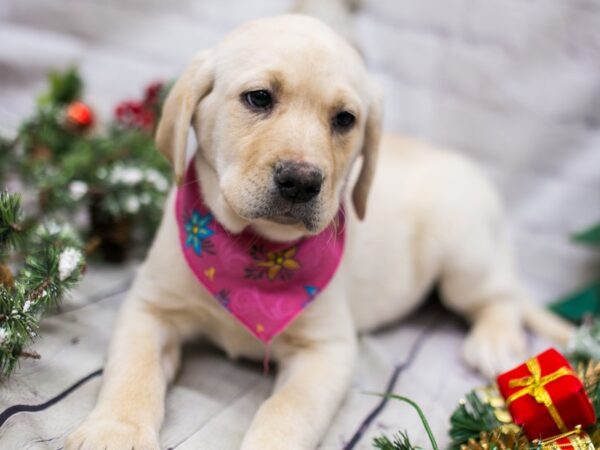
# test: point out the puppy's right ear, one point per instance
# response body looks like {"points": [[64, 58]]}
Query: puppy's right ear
{"points": [[178, 109]]}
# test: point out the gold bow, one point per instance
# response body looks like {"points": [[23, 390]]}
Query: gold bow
{"points": [[534, 385]]}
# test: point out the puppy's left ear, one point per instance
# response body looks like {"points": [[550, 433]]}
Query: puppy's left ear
{"points": [[370, 153], [179, 107]]}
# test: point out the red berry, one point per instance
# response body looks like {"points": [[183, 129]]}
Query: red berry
{"points": [[80, 114]]}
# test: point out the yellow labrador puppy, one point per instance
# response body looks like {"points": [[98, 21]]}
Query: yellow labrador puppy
{"points": [[288, 92]]}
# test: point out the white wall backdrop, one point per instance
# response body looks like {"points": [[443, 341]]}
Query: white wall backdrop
{"points": [[513, 83]]}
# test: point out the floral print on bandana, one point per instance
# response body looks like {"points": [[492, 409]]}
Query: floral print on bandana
{"points": [[263, 285], [197, 232], [272, 265]]}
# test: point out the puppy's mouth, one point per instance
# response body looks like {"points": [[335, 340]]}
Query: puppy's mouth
{"points": [[272, 208], [292, 215], [285, 219]]}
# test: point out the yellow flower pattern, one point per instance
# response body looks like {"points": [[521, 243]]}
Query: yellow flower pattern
{"points": [[276, 261], [273, 265]]}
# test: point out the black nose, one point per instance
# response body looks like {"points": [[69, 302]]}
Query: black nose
{"points": [[297, 181]]}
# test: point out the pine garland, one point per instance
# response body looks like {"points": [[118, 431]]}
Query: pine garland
{"points": [[471, 418], [115, 176], [53, 265], [114, 179]]}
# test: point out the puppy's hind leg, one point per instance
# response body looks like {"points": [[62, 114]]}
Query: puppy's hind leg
{"points": [[143, 357], [479, 281]]}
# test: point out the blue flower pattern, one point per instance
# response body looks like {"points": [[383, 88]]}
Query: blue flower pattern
{"points": [[197, 231], [312, 292]]}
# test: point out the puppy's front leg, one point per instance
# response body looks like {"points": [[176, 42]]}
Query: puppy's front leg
{"points": [[310, 386], [142, 359]]}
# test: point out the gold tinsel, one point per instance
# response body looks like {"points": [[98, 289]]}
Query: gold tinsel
{"points": [[590, 374], [509, 440], [509, 436], [595, 437]]}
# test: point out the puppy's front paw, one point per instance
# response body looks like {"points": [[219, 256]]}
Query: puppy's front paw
{"points": [[494, 346], [109, 433]]}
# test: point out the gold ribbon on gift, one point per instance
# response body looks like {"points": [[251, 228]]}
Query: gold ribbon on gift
{"points": [[578, 440], [534, 385]]}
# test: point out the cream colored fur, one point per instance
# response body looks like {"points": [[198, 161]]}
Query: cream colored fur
{"points": [[431, 217]]}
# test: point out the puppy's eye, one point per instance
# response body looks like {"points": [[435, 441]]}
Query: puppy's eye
{"points": [[259, 100], [343, 121]]}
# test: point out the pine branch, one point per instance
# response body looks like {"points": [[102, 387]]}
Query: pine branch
{"points": [[401, 442], [54, 264], [65, 87], [117, 178], [10, 227], [471, 418]]}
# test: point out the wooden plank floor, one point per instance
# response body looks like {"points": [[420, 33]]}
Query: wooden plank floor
{"points": [[213, 399]]}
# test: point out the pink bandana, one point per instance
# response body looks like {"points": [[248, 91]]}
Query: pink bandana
{"points": [[264, 285]]}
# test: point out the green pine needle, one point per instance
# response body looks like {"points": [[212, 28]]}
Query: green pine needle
{"points": [[424, 421], [10, 214], [65, 87], [74, 171], [53, 264], [118, 178], [471, 418], [401, 442]]}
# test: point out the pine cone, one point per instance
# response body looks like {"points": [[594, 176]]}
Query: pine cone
{"points": [[114, 235], [6, 276]]}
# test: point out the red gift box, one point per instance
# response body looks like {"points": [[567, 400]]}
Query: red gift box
{"points": [[546, 397]]}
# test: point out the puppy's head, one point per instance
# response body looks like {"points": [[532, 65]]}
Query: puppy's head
{"points": [[281, 109]]}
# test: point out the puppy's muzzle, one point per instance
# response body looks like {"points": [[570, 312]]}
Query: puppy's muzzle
{"points": [[297, 182]]}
